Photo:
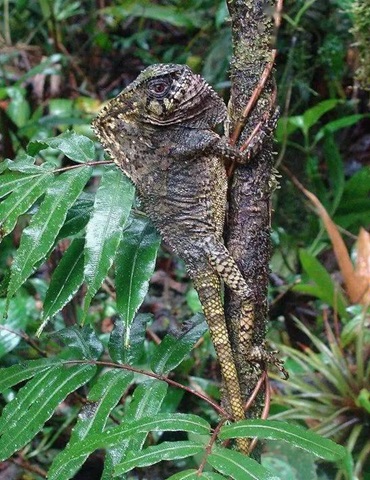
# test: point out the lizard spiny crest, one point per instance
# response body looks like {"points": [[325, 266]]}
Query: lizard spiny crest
{"points": [[168, 94]]}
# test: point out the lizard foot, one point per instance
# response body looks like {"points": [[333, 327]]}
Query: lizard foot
{"points": [[259, 354]]}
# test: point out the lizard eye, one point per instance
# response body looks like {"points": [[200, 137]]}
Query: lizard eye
{"points": [[159, 87]]}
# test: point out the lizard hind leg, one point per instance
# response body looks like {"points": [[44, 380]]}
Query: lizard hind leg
{"points": [[208, 286]]}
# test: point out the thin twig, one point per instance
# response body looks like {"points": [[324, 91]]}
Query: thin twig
{"points": [[256, 389], [27, 466], [211, 442], [265, 411], [26, 338], [90, 164], [129, 368]]}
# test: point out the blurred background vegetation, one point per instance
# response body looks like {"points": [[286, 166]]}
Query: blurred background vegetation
{"points": [[60, 60]]}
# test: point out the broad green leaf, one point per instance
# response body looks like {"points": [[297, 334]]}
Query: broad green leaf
{"points": [[26, 164], [76, 147], [11, 181], [78, 216], [193, 475], [18, 109], [164, 13], [160, 422], [294, 434], [318, 274], [146, 401], [172, 350], [39, 236], [35, 403], [133, 352], [111, 208], [157, 453], [82, 342], [15, 374], [135, 264], [22, 309], [358, 185], [313, 115], [93, 417], [66, 280], [238, 466], [338, 124], [21, 200]]}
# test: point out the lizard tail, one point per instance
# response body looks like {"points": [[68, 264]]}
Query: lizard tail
{"points": [[209, 290]]}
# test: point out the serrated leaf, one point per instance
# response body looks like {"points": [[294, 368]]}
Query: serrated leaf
{"points": [[111, 208], [172, 350], [146, 401], [22, 309], [238, 466], [21, 200], [66, 280], [135, 264], [15, 374], [82, 342], [35, 403], [131, 353], [294, 434], [39, 236], [102, 398], [76, 147], [157, 453], [161, 422]]}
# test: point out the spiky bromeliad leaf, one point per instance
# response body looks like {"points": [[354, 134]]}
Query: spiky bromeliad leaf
{"points": [[39, 236], [111, 208], [35, 403]]}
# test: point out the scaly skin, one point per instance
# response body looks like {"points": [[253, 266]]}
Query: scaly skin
{"points": [[159, 133]]}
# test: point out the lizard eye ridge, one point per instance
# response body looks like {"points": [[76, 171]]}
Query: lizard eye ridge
{"points": [[159, 87]]}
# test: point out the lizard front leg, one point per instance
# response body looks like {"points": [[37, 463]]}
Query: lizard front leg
{"points": [[208, 286]]}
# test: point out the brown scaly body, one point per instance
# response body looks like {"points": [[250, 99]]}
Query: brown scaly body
{"points": [[159, 133]]}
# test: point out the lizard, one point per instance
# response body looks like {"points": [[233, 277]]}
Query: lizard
{"points": [[160, 132]]}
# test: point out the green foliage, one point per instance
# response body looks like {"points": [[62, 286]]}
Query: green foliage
{"points": [[75, 251]]}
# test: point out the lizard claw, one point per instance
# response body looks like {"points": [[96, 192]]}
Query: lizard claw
{"points": [[259, 354]]}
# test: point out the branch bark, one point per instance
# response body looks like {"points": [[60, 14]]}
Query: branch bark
{"points": [[248, 228]]}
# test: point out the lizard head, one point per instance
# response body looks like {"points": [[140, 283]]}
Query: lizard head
{"points": [[168, 94]]}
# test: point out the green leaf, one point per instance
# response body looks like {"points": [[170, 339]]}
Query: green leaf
{"points": [[15, 374], [12, 181], [173, 350], [135, 264], [163, 13], [133, 352], [161, 422], [338, 124], [238, 466], [313, 115], [193, 475], [111, 208], [21, 200], [35, 403], [157, 453], [82, 342], [103, 397], [66, 280], [294, 434], [327, 291], [78, 216], [22, 309], [39, 236], [146, 401], [26, 164], [76, 147]]}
